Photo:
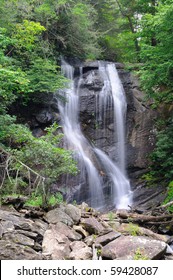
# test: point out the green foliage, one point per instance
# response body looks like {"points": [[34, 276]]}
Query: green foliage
{"points": [[19, 80], [32, 157], [133, 229], [156, 73], [169, 197], [111, 216], [13, 83], [163, 154], [25, 34], [80, 38], [139, 255], [99, 252], [34, 201], [150, 179], [37, 200], [55, 199], [14, 186], [44, 76]]}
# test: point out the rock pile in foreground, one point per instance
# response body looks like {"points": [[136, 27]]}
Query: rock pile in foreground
{"points": [[76, 233]]}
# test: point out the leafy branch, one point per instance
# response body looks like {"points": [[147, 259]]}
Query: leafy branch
{"points": [[6, 165]]}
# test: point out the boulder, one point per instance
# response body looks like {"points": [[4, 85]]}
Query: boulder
{"points": [[107, 238], [145, 198], [18, 238], [80, 251], [131, 247], [55, 244], [73, 212], [81, 230], [90, 240], [13, 251], [92, 225], [17, 220], [39, 227], [1, 230], [70, 233], [30, 234], [133, 229], [6, 226], [44, 116], [57, 215]]}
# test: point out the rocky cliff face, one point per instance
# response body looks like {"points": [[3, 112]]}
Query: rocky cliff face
{"points": [[140, 121], [140, 129]]}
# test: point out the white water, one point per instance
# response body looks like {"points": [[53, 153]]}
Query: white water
{"points": [[120, 186], [76, 139], [111, 95], [120, 108]]}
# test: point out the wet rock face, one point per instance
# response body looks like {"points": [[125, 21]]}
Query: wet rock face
{"points": [[92, 125], [141, 131], [140, 123], [140, 119]]}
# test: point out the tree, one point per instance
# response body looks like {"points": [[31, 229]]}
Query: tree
{"points": [[163, 154], [157, 70], [32, 162], [26, 70]]}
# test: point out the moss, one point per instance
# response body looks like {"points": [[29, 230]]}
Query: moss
{"points": [[139, 255], [133, 229], [169, 197]]}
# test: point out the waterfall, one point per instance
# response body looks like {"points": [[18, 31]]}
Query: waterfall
{"points": [[111, 95], [76, 140], [120, 108]]}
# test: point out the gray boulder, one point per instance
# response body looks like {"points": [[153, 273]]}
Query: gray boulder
{"points": [[57, 215], [80, 251], [70, 233], [55, 244], [73, 212], [13, 251], [105, 239], [131, 247], [92, 225]]}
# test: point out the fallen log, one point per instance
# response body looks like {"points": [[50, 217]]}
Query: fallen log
{"points": [[140, 218], [17, 202], [165, 205]]}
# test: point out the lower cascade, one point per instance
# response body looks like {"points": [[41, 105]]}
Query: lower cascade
{"points": [[97, 169]]}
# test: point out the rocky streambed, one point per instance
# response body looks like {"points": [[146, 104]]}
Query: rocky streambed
{"points": [[71, 232]]}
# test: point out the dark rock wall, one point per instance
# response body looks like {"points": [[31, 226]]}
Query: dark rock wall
{"points": [[141, 118]]}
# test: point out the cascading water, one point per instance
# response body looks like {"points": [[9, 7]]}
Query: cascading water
{"points": [[76, 139], [120, 107], [111, 95]]}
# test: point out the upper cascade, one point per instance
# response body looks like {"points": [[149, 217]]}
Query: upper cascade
{"points": [[93, 160]]}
